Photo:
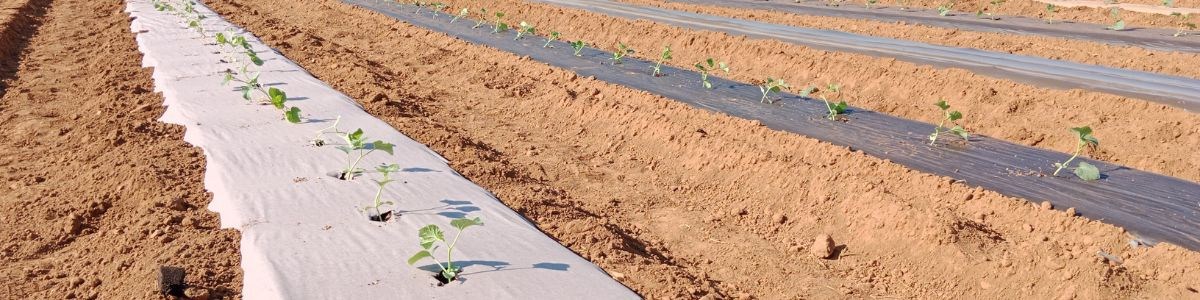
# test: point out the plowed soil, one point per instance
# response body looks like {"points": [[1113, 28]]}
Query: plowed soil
{"points": [[1134, 133], [96, 194], [682, 203], [1125, 57]]}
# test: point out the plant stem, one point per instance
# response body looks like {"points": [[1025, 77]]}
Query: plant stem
{"points": [[1078, 148], [936, 130], [450, 249]]}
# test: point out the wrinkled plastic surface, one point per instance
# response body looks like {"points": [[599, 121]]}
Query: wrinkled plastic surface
{"points": [[1150, 38], [1170, 90], [304, 235], [1155, 207]]}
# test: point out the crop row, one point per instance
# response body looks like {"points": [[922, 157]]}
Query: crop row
{"points": [[829, 94], [236, 50]]}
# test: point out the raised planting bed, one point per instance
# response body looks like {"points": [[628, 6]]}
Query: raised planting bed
{"points": [[310, 231], [1170, 90], [1150, 38], [1153, 206]]}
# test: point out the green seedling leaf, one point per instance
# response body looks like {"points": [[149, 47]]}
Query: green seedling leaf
{"points": [[292, 115], [228, 78], [254, 59], [553, 37], [423, 254], [464, 223], [771, 86], [622, 50], [429, 235], [807, 91], [526, 28], [1087, 171], [355, 139], [942, 104], [955, 116], [221, 38], [278, 97], [578, 46], [944, 10], [951, 116], [383, 146], [461, 13], [663, 57]]}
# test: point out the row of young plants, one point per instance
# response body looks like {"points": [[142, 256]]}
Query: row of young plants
{"points": [[835, 108], [236, 50], [1183, 23]]}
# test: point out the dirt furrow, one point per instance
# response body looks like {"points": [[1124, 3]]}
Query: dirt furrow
{"points": [[97, 194], [1125, 57], [681, 203], [19, 19]]}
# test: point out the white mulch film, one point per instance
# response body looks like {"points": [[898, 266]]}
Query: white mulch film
{"points": [[308, 239]]}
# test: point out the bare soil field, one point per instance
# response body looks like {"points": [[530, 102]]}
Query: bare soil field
{"points": [[97, 194], [1035, 9], [681, 203]]}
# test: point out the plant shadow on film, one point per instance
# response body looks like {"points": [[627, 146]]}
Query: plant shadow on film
{"points": [[452, 209], [473, 267], [421, 170]]}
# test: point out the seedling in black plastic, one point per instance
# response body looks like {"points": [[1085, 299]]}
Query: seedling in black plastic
{"points": [[707, 66], [482, 18], [1184, 25], [835, 109], [1050, 10], [578, 46], [1084, 170], [526, 28], [500, 25], [461, 13], [1118, 23], [771, 86], [622, 50], [951, 116], [663, 57], [431, 235], [553, 37]]}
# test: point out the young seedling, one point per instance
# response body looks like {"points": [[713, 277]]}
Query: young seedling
{"points": [[992, 6], [1184, 25], [356, 146], [553, 37], [437, 8], [578, 46], [318, 141], [431, 235], [373, 211], [1168, 3], [951, 116], [500, 25], [663, 57], [771, 86], [622, 50], [1084, 170], [707, 66], [1050, 10], [482, 18], [903, 4], [526, 28], [461, 13], [835, 109], [870, 3], [1119, 23], [944, 10], [278, 97]]}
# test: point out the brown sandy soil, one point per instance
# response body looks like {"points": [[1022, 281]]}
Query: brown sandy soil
{"points": [[1134, 133], [681, 203], [1034, 9], [1126, 57], [18, 20], [96, 194]]}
